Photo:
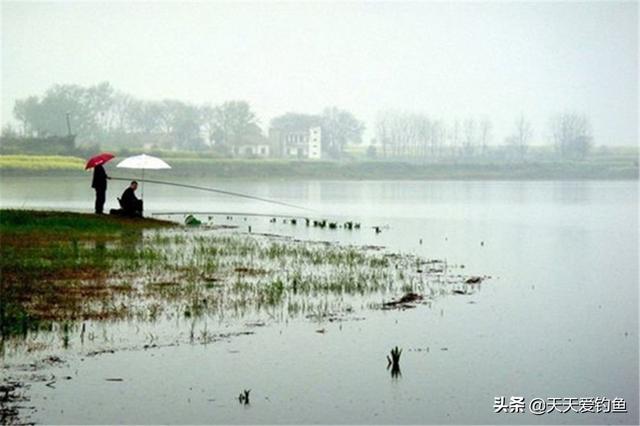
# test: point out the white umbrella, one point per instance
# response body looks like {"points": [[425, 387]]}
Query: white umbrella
{"points": [[143, 162]]}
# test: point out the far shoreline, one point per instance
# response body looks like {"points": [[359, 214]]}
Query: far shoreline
{"points": [[625, 168]]}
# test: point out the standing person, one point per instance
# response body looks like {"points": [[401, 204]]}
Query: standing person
{"points": [[99, 183]]}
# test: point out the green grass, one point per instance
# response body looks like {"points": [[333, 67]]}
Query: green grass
{"points": [[35, 222], [66, 268], [51, 262]]}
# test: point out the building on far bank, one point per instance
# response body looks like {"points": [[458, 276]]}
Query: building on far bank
{"points": [[252, 149], [302, 143], [252, 144]]}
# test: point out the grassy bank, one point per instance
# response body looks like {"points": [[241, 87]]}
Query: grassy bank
{"points": [[71, 225], [44, 255], [597, 167], [73, 269], [375, 170]]}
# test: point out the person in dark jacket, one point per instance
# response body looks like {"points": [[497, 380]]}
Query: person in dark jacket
{"points": [[131, 205], [99, 183]]}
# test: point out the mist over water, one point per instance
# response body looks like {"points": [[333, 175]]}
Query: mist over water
{"points": [[448, 60], [439, 209], [556, 318]]}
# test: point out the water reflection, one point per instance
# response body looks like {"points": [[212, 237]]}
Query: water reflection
{"points": [[394, 370], [549, 273]]}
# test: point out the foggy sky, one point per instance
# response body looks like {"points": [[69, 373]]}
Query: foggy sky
{"points": [[449, 60]]}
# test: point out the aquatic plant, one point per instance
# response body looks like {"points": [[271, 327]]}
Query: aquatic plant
{"points": [[243, 398], [125, 272], [394, 357]]}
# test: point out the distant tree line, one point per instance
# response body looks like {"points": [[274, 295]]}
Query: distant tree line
{"points": [[100, 114], [406, 135]]}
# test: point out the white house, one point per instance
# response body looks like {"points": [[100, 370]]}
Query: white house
{"points": [[303, 143]]}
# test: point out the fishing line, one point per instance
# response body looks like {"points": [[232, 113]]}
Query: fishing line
{"points": [[286, 216], [219, 191]]}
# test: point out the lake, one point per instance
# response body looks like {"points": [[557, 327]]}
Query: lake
{"points": [[557, 319]]}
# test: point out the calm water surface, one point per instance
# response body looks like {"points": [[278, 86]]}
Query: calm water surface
{"points": [[558, 319]]}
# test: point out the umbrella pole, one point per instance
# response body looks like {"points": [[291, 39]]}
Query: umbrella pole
{"points": [[142, 192]]}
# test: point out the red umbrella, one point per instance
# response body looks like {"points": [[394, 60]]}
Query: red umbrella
{"points": [[98, 159]]}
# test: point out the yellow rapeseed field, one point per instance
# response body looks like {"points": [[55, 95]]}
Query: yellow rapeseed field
{"points": [[40, 162]]}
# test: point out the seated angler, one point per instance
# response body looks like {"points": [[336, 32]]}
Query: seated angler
{"points": [[129, 203]]}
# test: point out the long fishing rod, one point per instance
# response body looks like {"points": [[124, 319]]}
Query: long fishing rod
{"points": [[219, 191], [286, 216]]}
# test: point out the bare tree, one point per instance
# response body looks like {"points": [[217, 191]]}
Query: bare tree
{"points": [[469, 141], [339, 128], [119, 117], [520, 138], [382, 131], [437, 138], [485, 135], [454, 137], [571, 133], [404, 135], [424, 136]]}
